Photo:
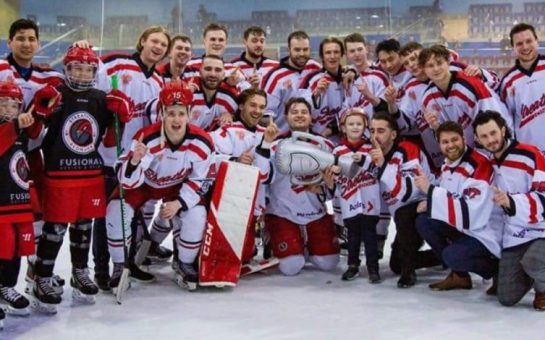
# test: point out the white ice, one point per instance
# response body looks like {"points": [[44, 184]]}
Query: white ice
{"points": [[311, 305]]}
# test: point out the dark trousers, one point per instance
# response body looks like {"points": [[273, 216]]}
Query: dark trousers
{"points": [[362, 228], [458, 251], [9, 271], [101, 255]]}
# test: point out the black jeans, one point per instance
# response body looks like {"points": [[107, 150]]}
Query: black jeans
{"points": [[362, 228]]}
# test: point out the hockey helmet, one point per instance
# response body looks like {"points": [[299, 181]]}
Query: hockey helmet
{"points": [[11, 100], [80, 68], [353, 111], [175, 93]]}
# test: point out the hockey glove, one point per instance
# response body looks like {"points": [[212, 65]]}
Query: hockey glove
{"points": [[46, 100], [119, 103]]}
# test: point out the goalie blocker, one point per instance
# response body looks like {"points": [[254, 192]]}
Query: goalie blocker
{"points": [[230, 216]]}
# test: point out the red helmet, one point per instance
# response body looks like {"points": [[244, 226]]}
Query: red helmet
{"points": [[11, 101], [87, 62], [10, 90], [175, 93]]}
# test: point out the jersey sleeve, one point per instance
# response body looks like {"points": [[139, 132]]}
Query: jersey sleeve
{"points": [[469, 211], [198, 182], [132, 176]]}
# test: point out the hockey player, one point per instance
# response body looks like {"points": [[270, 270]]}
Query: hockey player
{"points": [[73, 182], [458, 225], [214, 103], [175, 169], [520, 191], [214, 40], [358, 196], [252, 62], [179, 56], [522, 86], [454, 95], [283, 81], [140, 81], [397, 162], [19, 67], [16, 232], [387, 52], [296, 214]]}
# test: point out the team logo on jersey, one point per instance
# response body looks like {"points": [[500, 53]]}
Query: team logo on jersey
{"points": [[80, 132], [240, 135], [18, 169], [126, 78], [195, 114], [412, 95]]}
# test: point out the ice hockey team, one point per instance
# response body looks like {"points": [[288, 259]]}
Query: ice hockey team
{"points": [[122, 150]]}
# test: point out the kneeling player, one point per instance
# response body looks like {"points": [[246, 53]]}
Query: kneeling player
{"points": [[174, 168], [16, 232], [73, 184], [296, 214]]}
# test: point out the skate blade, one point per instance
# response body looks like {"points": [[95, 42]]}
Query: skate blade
{"points": [[16, 311], [191, 286], [42, 308], [83, 298]]}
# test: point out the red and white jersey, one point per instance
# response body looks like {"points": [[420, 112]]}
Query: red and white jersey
{"points": [[411, 120], [326, 109], [196, 64], [523, 93], [489, 78], [376, 80], [361, 193], [520, 172], [400, 78], [232, 140], [282, 83], [187, 74], [190, 164], [264, 66], [139, 83], [397, 187], [37, 78], [463, 199], [206, 112], [292, 201], [464, 99]]}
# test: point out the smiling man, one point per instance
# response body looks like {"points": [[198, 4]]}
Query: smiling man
{"points": [[522, 87]]}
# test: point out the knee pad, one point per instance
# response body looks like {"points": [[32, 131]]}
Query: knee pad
{"points": [[325, 262], [292, 265]]}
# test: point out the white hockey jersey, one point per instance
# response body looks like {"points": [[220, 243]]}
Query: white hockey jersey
{"points": [[464, 99], [411, 120], [397, 187], [292, 201], [206, 112], [361, 193], [139, 84], [187, 74], [377, 82], [282, 83], [264, 66], [326, 109], [523, 93], [463, 199], [520, 172], [236, 138], [190, 164]]}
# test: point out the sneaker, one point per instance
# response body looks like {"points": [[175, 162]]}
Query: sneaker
{"points": [[407, 280], [351, 273], [539, 301], [493, 290], [453, 281], [159, 253], [140, 275], [17, 303]]}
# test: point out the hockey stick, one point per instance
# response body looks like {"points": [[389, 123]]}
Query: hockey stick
{"points": [[124, 280], [143, 250]]}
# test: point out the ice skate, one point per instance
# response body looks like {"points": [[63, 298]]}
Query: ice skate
{"points": [[139, 275], [158, 253], [186, 276], [43, 298], [57, 281], [84, 289], [116, 278], [16, 304]]}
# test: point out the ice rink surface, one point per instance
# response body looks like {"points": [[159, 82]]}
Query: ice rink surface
{"points": [[312, 305]]}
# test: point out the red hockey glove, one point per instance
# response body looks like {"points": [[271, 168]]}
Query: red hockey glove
{"points": [[118, 103], [46, 100]]}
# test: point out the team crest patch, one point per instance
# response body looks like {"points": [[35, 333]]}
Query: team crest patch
{"points": [[240, 135], [18, 168], [80, 132], [195, 114], [126, 78]]}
